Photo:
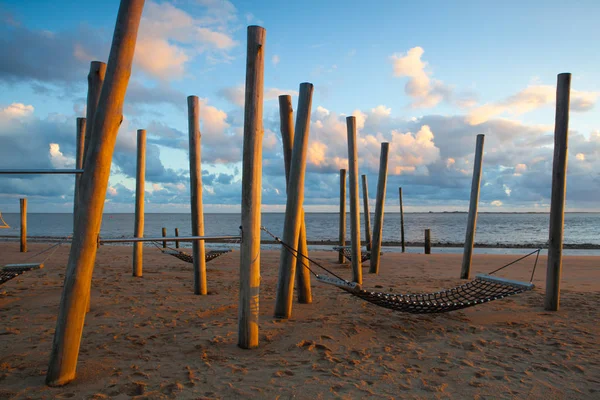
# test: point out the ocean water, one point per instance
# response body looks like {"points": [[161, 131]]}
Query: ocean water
{"points": [[493, 229]]}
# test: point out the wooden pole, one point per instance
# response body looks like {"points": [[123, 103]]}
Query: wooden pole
{"points": [[366, 213], [559, 188], [379, 209], [293, 209], [286, 116], [140, 184], [354, 206], [177, 235], [402, 223], [95, 81], [164, 234], [465, 272], [81, 122], [195, 140], [342, 236], [93, 185], [248, 310], [23, 203], [427, 241]]}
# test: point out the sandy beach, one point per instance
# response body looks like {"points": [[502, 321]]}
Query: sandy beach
{"points": [[151, 337]]}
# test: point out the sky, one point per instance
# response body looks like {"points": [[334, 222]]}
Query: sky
{"points": [[426, 76]]}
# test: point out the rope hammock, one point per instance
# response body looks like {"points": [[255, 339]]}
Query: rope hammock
{"points": [[346, 251], [11, 271], [3, 224], [208, 256], [483, 289]]}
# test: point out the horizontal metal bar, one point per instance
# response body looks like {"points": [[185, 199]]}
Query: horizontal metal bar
{"points": [[39, 171], [169, 239]]}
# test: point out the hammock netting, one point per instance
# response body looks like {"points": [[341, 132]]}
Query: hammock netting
{"points": [[208, 256], [346, 251], [12, 271], [482, 289]]}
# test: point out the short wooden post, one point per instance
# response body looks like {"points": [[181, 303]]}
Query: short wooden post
{"points": [[379, 209], [366, 213], [140, 184], [402, 223], [248, 311], [95, 81], [342, 236], [559, 188], [79, 152], [23, 203], [164, 234], [195, 140], [286, 116], [293, 208], [465, 272], [427, 241], [177, 235], [354, 205], [93, 185]]}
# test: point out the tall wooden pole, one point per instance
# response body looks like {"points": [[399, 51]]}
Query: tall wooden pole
{"points": [[366, 213], [427, 241], [79, 153], [164, 234], [342, 236], [293, 208], [402, 223], [286, 116], [140, 184], [379, 209], [96, 78], [465, 272], [354, 206], [23, 203], [251, 190], [177, 235], [93, 185], [200, 286], [559, 188]]}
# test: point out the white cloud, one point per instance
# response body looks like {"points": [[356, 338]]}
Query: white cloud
{"points": [[58, 159], [275, 60], [16, 110], [580, 156], [520, 169], [496, 203]]}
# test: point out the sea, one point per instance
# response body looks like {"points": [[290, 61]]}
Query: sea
{"points": [[497, 233]]}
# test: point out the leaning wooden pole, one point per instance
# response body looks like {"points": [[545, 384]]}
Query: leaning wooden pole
{"points": [[354, 203], [286, 116], [366, 213], [293, 208], [559, 188], [342, 234], [93, 185], [402, 222], [251, 190], [96, 78], [140, 183], [195, 137], [427, 241], [23, 204], [465, 271], [379, 209], [79, 152]]}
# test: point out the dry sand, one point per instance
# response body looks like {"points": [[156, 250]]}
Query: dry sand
{"points": [[151, 337]]}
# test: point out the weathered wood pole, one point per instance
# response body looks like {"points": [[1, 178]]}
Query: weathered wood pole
{"points": [[23, 203], [177, 235], [402, 223], [95, 81], [140, 184], [93, 185], [379, 208], [164, 234], [251, 190], [354, 205], [559, 188], [342, 236], [293, 208], [465, 271], [427, 241], [366, 213], [195, 140], [79, 152], [286, 116]]}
